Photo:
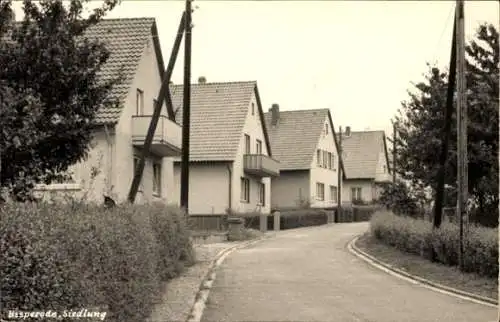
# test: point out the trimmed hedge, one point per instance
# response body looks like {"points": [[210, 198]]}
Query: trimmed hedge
{"points": [[289, 219], [75, 256], [357, 213], [417, 236]]}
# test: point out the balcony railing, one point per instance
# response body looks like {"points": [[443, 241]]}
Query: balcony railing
{"points": [[261, 165], [167, 140]]}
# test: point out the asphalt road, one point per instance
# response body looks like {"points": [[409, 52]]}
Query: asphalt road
{"points": [[308, 275]]}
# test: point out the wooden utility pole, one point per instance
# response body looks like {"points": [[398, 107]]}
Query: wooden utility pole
{"points": [[186, 112], [164, 94], [394, 153], [339, 179], [462, 176], [446, 134]]}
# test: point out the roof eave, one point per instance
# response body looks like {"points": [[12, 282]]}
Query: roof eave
{"points": [[263, 121], [360, 178], [337, 145], [389, 167]]}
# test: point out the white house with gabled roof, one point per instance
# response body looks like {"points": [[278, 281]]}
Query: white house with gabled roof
{"points": [[305, 144], [120, 132], [367, 164], [231, 164]]}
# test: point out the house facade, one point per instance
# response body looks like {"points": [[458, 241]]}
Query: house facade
{"points": [[305, 144], [231, 164], [367, 165], [120, 132]]}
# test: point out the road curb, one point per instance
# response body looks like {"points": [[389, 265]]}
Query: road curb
{"points": [[206, 285], [353, 249]]}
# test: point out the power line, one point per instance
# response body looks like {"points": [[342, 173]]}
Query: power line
{"points": [[447, 21]]}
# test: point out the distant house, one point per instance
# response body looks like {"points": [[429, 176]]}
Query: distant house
{"points": [[305, 144], [120, 132], [230, 155], [367, 165]]}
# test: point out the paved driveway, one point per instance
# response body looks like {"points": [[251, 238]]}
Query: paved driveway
{"points": [[308, 275]]}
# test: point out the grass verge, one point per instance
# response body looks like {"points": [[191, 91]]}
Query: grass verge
{"points": [[446, 275]]}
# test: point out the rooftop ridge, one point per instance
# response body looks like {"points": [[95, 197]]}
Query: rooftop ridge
{"points": [[369, 131], [220, 83], [305, 110]]}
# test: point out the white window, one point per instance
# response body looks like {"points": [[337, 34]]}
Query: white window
{"points": [[245, 190], [326, 129], [333, 194], [247, 144], [325, 159], [253, 108], [262, 194], [356, 194], [333, 161], [258, 147], [318, 157], [157, 178], [330, 162], [320, 191], [139, 102]]}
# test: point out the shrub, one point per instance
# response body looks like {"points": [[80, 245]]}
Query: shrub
{"points": [[399, 199], [170, 229], [75, 256], [418, 237], [356, 213], [289, 219]]}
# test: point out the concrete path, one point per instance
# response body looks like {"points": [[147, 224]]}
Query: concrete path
{"points": [[308, 275]]}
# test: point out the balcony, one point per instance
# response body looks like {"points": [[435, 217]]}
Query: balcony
{"points": [[167, 140], [261, 165]]}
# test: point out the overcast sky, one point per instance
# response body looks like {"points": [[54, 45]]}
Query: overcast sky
{"points": [[356, 58]]}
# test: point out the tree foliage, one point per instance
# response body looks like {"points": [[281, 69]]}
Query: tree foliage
{"points": [[420, 122], [399, 199], [50, 90]]}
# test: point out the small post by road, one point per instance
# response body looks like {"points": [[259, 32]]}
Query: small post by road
{"points": [[462, 176]]}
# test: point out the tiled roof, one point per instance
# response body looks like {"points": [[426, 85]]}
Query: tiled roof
{"points": [[296, 136], [218, 113], [361, 153], [294, 139], [126, 39]]}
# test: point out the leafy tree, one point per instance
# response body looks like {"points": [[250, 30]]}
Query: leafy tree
{"points": [[400, 199], [49, 90], [420, 121]]}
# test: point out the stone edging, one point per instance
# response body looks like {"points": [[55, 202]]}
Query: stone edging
{"points": [[205, 286], [351, 246]]}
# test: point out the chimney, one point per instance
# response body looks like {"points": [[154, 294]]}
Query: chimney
{"points": [[202, 80], [275, 114], [347, 131]]}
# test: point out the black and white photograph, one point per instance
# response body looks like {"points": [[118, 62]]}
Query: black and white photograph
{"points": [[249, 161]]}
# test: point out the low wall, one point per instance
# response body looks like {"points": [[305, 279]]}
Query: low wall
{"points": [[198, 237], [208, 222]]}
